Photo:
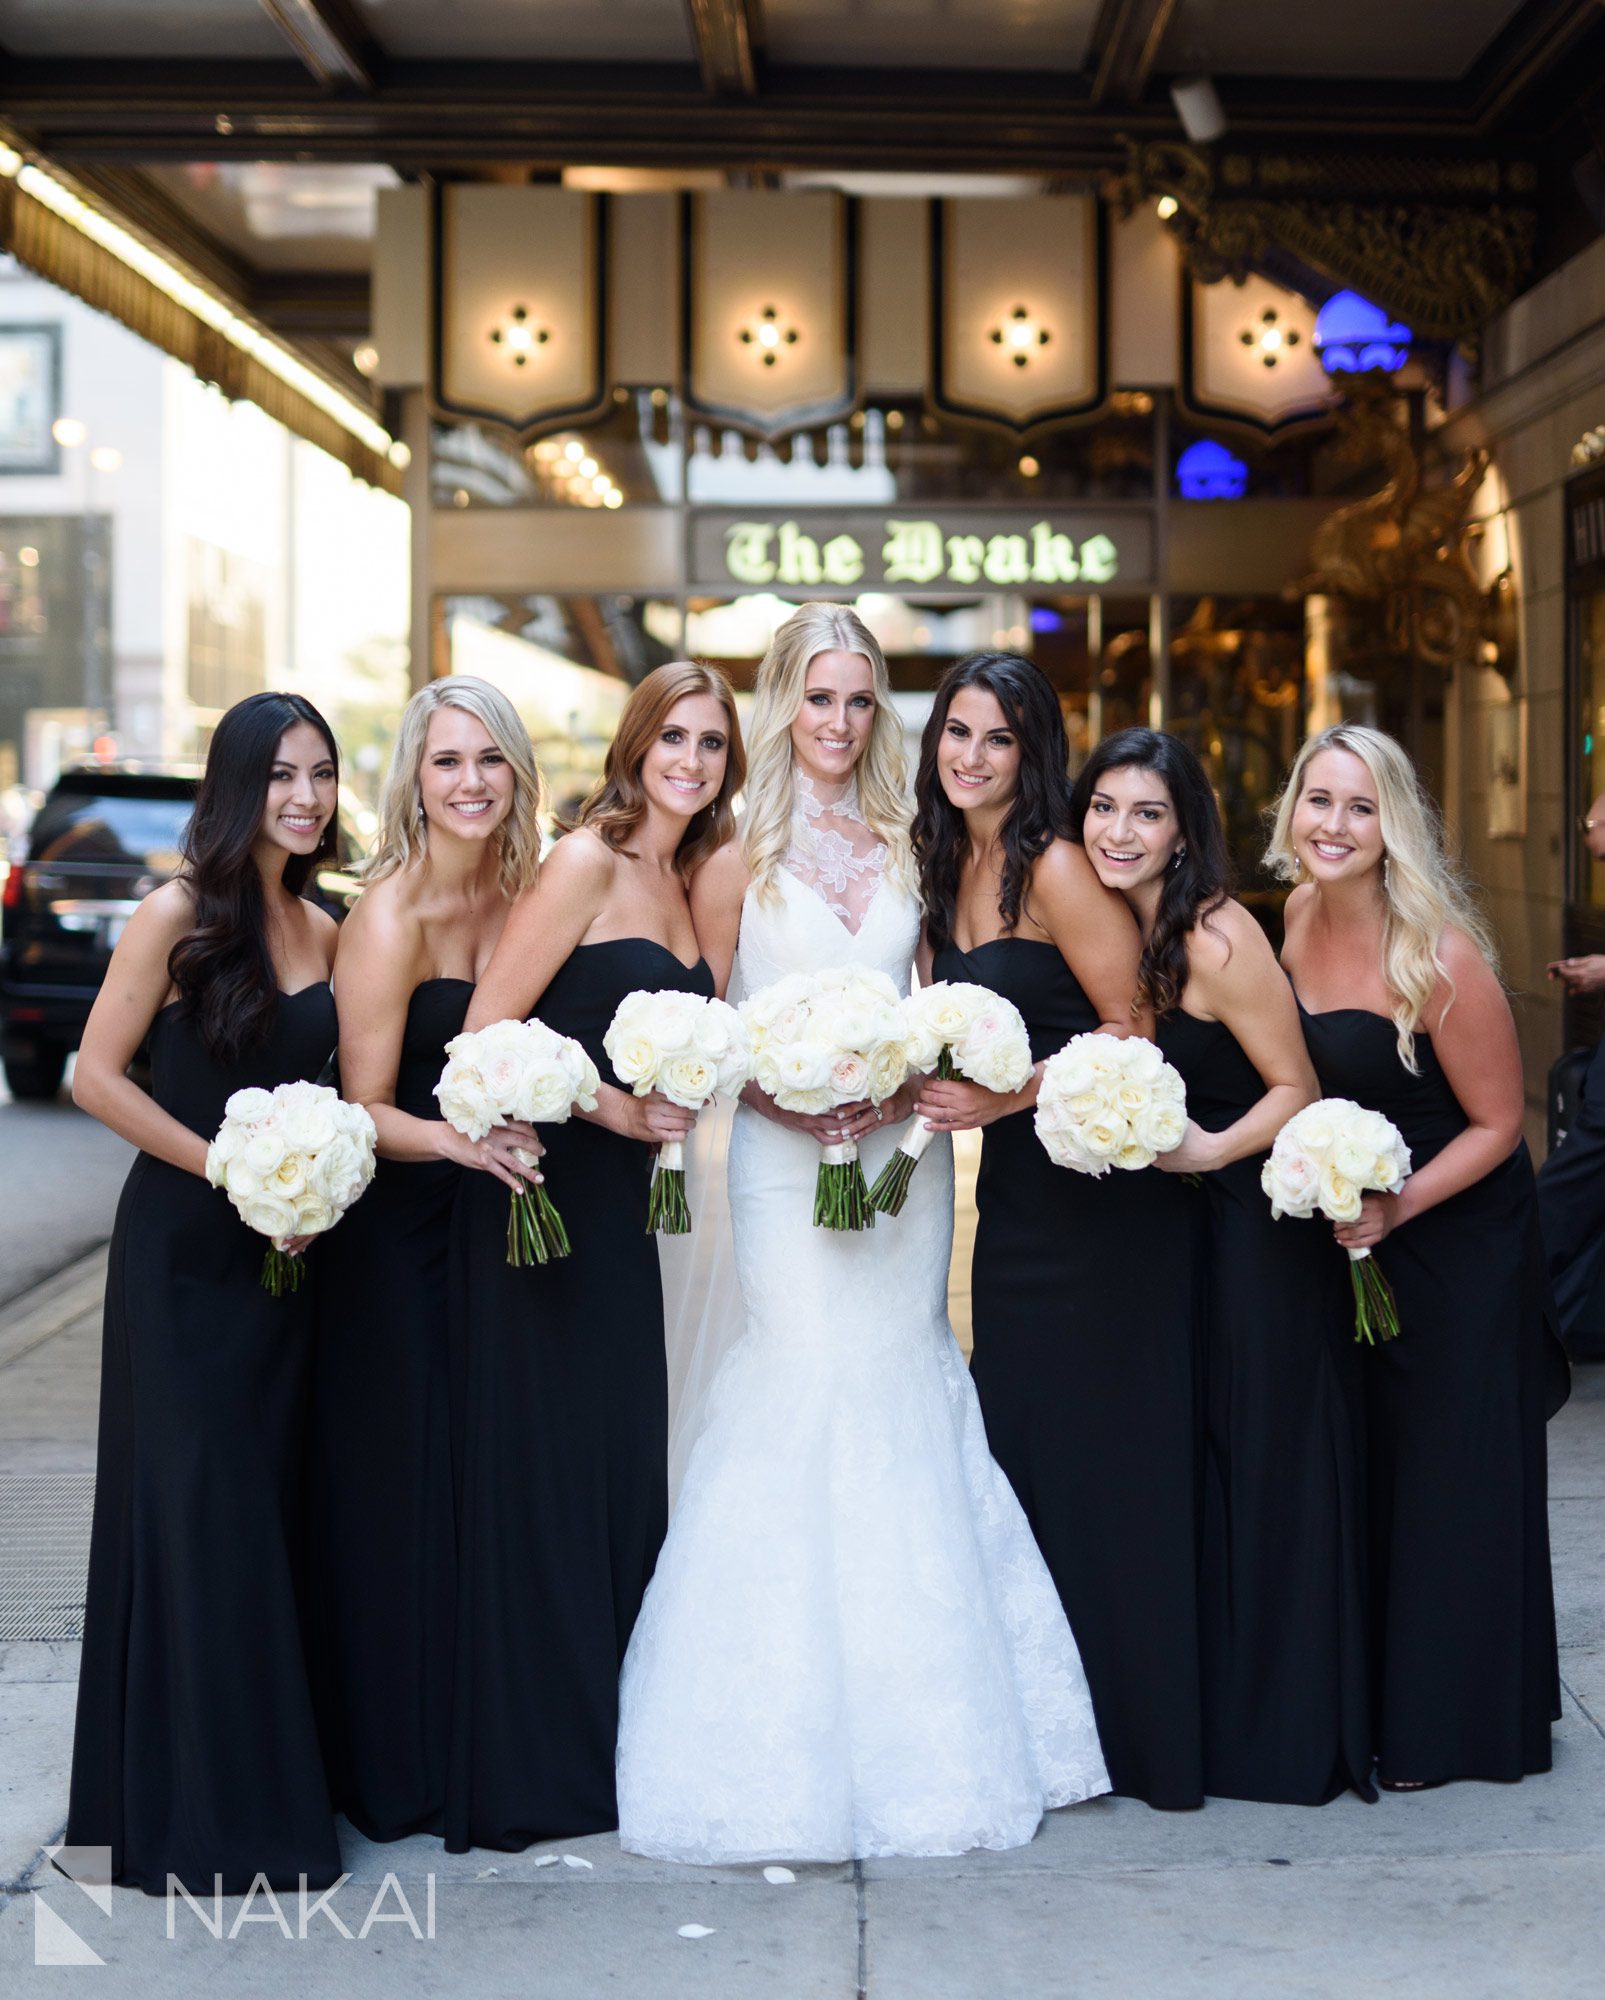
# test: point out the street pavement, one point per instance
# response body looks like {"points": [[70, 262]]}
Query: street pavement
{"points": [[60, 1175], [1481, 1892]]}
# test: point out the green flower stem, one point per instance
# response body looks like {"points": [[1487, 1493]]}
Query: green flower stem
{"points": [[890, 1191], [841, 1198], [535, 1232], [281, 1272], [668, 1211], [1376, 1313]]}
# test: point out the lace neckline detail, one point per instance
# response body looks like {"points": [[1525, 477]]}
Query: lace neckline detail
{"points": [[833, 850]]}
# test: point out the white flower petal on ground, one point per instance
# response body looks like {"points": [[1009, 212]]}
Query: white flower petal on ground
{"points": [[695, 1931], [773, 1874]]}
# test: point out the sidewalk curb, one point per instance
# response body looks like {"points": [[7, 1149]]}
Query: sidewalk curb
{"points": [[37, 1315]]}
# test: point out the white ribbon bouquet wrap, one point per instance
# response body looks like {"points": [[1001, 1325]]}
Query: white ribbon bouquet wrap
{"points": [[957, 1029], [523, 1071], [292, 1160], [1110, 1102], [1325, 1159], [821, 1040], [687, 1048]]}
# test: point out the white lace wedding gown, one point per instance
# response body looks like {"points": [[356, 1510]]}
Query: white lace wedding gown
{"points": [[851, 1645]]}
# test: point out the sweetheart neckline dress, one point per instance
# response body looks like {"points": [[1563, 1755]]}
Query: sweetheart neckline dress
{"points": [[196, 1749], [560, 1428], [851, 1646]]}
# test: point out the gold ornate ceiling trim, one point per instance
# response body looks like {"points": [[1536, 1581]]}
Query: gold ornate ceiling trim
{"points": [[1444, 244]]}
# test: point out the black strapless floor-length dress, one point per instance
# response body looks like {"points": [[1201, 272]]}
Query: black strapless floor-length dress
{"points": [[560, 1418], [1465, 1677], [1282, 1611], [196, 1752], [1085, 1309], [382, 1553]]}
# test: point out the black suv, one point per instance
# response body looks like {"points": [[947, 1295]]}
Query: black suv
{"points": [[103, 839]]}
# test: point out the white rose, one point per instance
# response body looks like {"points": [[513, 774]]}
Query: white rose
{"points": [[634, 1057], [313, 1215], [269, 1215], [1102, 1138], [888, 1069], [849, 1078], [289, 1178], [1133, 1156], [338, 1172], [688, 1080], [1140, 1060], [241, 1182], [464, 1102], [249, 1107], [1340, 1198], [264, 1151], [1161, 1127]]}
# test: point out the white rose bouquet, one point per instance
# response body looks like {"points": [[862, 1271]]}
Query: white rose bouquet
{"points": [[523, 1071], [292, 1160], [1107, 1102], [957, 1030], [686, 1048], [821, 1040], [1325, 1158]]}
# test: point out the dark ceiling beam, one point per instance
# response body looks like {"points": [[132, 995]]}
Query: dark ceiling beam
{"points": [[327, 36], [324, 305], [424, 115], [727, 35], [1125, 41]]}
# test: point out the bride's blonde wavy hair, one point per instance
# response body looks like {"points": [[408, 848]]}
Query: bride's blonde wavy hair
{"points": [[1422, 891], [882, 771]]}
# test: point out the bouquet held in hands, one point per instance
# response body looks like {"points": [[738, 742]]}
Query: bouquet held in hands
{"points": [[821, 1041], [518, 1072], [956, 1029], [292, 1160], [686, 1048], [1107, 1102], [1325, 1159]]}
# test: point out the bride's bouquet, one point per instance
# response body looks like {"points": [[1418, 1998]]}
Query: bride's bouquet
{"points": [[959, 1030], [821, 1040], [292, 1160], [686, 1048], [524, 1071], [1326, 1157], [1110, 1102]]}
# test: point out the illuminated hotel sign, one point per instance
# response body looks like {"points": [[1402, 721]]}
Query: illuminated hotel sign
{"points": [[919, 549]]}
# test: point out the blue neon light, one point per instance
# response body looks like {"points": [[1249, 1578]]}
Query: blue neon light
{"points": [[1208, 471], [1353, 336]]}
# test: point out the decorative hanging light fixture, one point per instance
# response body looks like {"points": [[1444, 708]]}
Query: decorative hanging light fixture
{"points": [[769, 335], [519, 336], [1020, 336], [1270, 336]]}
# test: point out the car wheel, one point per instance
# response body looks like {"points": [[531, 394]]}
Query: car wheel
{"points": [[34, 1073]]}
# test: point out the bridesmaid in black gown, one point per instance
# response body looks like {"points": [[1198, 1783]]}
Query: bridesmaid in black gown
{"points": [[1282, 1583], [196, 1752], [1405, 1014], [1083, 1290], [560, 1385], [459, 838]]}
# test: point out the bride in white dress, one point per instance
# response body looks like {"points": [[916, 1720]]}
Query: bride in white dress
{"points": [[851, 1646]]}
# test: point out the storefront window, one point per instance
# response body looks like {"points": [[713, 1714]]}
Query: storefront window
{"points": [[1237, 696]]}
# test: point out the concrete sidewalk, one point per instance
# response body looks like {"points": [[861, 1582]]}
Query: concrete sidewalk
{"points": [[1478, 1891]]}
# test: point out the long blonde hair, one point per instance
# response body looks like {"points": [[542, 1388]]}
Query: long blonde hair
{"points": [[882, 771], [403, 830], [616, 808], [1422, 891]]}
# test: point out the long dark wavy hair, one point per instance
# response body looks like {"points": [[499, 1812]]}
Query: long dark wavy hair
{"points": [[222, 966], [1040, 813], [1198, 882]]}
